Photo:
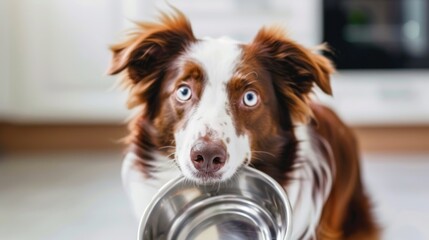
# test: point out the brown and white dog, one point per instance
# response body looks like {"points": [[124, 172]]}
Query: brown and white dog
{"points": [[207, 107]]}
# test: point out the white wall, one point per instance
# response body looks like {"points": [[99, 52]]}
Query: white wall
{"points": [[4, 59], [58, 55]]}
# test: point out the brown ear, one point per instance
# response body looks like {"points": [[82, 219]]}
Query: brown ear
{"points": [[294, 69], [145, 57], [151, 45], [121, 54], [326, 68], [294, 61]]}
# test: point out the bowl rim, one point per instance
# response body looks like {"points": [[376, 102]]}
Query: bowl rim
{"points": [[173, 182]]}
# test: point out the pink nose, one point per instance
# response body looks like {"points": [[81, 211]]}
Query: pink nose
{"points": [[208, 156]]}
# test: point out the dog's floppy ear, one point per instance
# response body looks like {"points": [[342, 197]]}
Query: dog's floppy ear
{"points": [[145, 57], [302, 65], [295, 69], [151, 46]]}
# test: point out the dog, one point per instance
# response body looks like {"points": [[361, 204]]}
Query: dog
{"points": [[206, 107]]}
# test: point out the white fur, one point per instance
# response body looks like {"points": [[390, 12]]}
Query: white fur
{"points": [[218, 58], [306, 212], [141, 189]]}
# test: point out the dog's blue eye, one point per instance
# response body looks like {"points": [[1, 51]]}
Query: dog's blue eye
{"points": [[250, 98], [183, 93]]}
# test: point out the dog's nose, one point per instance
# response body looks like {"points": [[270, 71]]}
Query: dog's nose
{"points": [[208, 156]]}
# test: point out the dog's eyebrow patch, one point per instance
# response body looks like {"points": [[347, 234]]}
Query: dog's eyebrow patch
{"points": [[192, 71], [243, 77], [240, 83], [246, 74]]}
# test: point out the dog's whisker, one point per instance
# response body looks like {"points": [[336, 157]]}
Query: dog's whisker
{"points": [[263, 152], [258, 159], [170, 155], [167, 147]]}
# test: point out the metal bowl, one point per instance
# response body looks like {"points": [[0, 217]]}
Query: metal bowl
{"points": [[252, 205]]}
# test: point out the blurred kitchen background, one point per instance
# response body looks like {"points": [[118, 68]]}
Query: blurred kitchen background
{"points": [[61, 117]]}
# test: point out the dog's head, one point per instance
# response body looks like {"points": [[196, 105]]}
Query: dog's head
{"points": [[218, 102]]}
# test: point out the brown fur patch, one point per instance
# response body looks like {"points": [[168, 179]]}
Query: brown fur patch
{"points": [[268, 123]]}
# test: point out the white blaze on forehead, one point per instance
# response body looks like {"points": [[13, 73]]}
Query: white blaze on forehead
{"points": [[218, 59]]}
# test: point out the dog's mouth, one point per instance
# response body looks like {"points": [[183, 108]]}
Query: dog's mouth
{"points": [[207, 177], [202, 177]]}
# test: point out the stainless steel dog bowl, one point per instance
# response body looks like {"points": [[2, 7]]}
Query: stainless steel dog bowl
{"points": [[252, 205]]}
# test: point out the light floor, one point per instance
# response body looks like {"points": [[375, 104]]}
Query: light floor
{"points": [[79, 196]]}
